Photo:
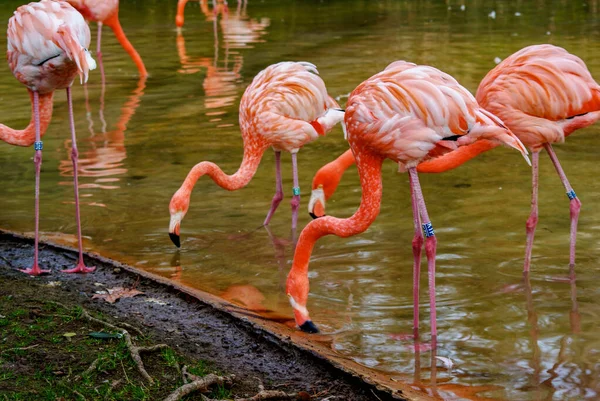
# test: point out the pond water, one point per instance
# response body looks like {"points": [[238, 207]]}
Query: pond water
{"points": [[509, 338]]}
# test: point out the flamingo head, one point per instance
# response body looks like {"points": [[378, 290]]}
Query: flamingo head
{"points": [[316, 205], [178, 208], [179, 21], [297, 292]]}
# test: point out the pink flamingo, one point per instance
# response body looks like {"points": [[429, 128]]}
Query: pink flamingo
{"points": [[285, 107], [406, 113], [106, 12], [543, 94], [220, 6], [47, 48]]}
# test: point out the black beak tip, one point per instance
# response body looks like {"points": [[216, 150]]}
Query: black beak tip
{"points": [[175, 238], [314, 216], [309, 327]]}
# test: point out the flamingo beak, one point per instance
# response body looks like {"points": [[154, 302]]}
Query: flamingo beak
{"points": [[301, 316], [174, 227], [316, 205]]}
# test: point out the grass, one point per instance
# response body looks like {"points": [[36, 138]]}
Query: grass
{"points": [[39, 362]]}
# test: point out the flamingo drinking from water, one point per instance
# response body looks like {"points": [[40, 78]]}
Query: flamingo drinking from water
{"points": [[543, 94], [47, 49], [285, 107], [106, 12], [407, 113]]}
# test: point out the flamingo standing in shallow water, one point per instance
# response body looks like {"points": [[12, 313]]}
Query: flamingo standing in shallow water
{"points": [[285, 107], [106, 12], [409, 114], [47, 49], [543, 94]]}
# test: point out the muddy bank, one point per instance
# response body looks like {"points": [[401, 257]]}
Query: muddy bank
{"points": [[199, 325]]}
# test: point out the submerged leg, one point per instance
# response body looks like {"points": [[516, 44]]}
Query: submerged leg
{"points": [[98, 40], [533, 217], [575, 203], [417, 245], [296, 190], [278, 189], [80, 268], [430, 250], [37, 159]]}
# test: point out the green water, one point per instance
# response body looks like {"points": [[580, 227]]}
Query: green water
{"points": [[507, 340]]}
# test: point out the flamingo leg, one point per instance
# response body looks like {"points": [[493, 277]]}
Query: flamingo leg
{"points": [[417, 245], [278, 197], [533, 217], [430, 250], [296, 190], [80, 268], [575, 203], [37, 159], [98, 40]]}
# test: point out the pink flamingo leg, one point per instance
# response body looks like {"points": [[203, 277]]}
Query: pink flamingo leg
{"points": [[533, 217], [296, 190], [575, 203], [80, 268], [98, 48], [37, 159], [278, 189], [417, 245], [430, 249]]}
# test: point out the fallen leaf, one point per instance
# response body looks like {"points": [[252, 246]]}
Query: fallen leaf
{"points": [[156, 301], [69, 335], [54, 284], [118, 292]]}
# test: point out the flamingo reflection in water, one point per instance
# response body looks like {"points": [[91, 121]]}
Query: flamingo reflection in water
{"points": [[238, 32], [103, 159]]}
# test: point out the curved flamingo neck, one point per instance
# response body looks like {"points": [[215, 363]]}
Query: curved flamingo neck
{"points": [[239, 179], [369, 170], [26, 137], [457, 157], [329, 175], [114, 23], [179, 18]]}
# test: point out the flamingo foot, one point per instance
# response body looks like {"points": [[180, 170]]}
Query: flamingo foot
{"points": [[416, 346], [81, 268], [309, 327], [35, 271]]}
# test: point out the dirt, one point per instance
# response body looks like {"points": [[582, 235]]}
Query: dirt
{"points": [[198, 330]]}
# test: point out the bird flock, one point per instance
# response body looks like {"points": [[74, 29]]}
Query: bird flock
{"points": [[416, 115]]}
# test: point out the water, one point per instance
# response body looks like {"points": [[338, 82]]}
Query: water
{"points": [[508, 338]]}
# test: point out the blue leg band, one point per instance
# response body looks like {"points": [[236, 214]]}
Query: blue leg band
{"points": [[428, 230], [38, 145], [296, 191], [571, 195]]}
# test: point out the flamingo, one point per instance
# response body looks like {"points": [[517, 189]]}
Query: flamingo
{"points": [[106, 12], [407, 113], [220, 6], [47, 48], [285, 107], [543, 94]]}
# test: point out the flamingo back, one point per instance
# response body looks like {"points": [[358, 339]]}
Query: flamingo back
{"points": [[537, 88], [405, 112], [47, 45], [282, 106]]}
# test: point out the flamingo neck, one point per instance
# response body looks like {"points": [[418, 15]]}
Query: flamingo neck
{"points": [[457, 157], [233, 182], [179, 18], [369, 170], [114, 23], [26, 137]]}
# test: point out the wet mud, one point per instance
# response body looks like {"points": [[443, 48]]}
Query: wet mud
{"points": [[197, 324]]}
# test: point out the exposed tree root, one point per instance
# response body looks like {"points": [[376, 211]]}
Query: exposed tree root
{"points": [[199, 384], [133, 349]]}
